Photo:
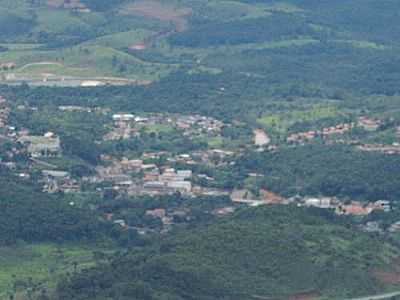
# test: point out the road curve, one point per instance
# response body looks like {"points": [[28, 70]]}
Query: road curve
{"points": [[378, 297]]}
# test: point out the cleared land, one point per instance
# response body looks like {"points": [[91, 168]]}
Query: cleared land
{"points": [[161, 11]]}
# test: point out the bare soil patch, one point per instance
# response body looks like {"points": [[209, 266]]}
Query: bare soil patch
{"points": [[305, 296], [389, 277], [160, 11]]}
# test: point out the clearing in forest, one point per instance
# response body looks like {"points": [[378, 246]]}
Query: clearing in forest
{"points": [[160, 11]]}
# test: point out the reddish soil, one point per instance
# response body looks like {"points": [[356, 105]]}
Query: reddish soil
{"points": [[389, 277], [157, 10], [271, 197], [304, 296]]}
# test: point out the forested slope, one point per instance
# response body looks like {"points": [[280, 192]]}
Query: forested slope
{"points": [[272, 251]]}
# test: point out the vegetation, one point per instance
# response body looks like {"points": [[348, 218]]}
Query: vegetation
{"points": [[281, 66], [327, 170], [273, 251], [31, 216]]}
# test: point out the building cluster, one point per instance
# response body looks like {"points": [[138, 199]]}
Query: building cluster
{"points": [[125, 126], [197, 125], [364, 122], [4, 112], [138, 178], [128, 125], [387, 149], [264, 197], [169, 216], [210, 157], [59, 181], [369, 123], [325, 132], [75, 5], [47, 145], [347, 208], [340, 207], [8, 66], [167, 182]]}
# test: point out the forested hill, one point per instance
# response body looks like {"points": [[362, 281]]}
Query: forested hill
{"points": [[27, 215], [321, 48], [264, 252]]}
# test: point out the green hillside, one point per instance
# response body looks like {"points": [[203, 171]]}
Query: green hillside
{"points": [[257, 254], [97, 39]]}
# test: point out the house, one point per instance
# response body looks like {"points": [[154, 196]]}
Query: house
{"points": [[120, 222], [157, 213], [372, 227], [55, 174], [369, 124], [180, 186], [395, 227], [324, 202], [223, 211], [383, 205], [123, 117], [246, 197], [186, 174]]}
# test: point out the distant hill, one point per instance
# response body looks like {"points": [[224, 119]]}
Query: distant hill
{"points": [[283, 42], [257, 254]]}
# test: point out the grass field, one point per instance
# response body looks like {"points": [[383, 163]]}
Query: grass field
{"points": [[282, 121], [92, 60], [122, 39], [40, 264]]}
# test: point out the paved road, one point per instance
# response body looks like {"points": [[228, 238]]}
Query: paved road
{"points": [[378, 297]]}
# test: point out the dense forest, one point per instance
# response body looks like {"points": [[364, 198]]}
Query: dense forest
{"points": [[327, 170], [28, 215], [258, 252]]}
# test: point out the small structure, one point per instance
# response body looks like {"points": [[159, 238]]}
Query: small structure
{"points": [[384, 205], [123, 117], [58, 181], [324, 202], [92, 83], [156, 213], [246, 197], [138, 46], [369, 124]]}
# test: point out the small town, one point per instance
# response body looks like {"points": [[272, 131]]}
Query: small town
{"points": [[144, 175]]}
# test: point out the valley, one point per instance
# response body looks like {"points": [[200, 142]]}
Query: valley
{"points": [[199, 150]]}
